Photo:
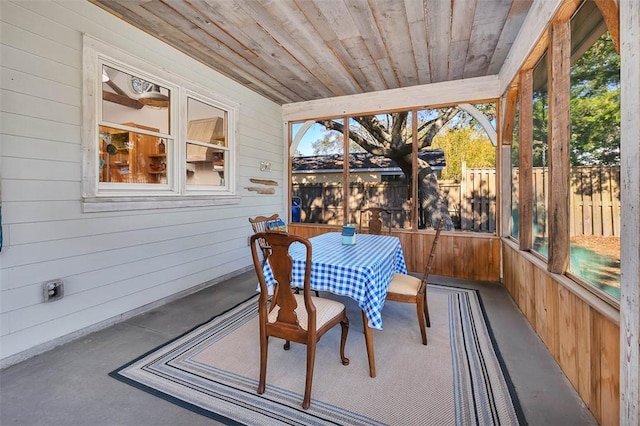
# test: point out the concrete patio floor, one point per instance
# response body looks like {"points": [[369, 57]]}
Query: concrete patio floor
{"points": [[69, 385]]}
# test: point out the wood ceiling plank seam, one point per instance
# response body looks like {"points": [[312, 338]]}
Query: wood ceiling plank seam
{"points": [[337, 15], [227, 61], [418, 35], [484, 38], [391, 20], [134, 14], [313, 14], [370, 33], [278, 30], [395, 43], [457, 59], [301, 29], [250, 33], [509, 31], [289, 74], [318, 34], [192, 13], [359, 54], [462, 13], [386, 69], [367, 29], [286, 71], [438, 22], [350, 67], [143, 19]]}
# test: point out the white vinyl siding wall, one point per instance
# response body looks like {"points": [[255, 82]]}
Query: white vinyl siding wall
{"points": [[112, 263]]}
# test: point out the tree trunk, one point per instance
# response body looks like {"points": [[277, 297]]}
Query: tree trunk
{"points": [[432, 203]]}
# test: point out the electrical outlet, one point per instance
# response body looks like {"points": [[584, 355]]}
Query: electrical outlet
{"points": [[53, 290]]}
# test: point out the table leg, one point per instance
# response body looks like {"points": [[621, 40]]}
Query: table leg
{"points": [[368, 338]]}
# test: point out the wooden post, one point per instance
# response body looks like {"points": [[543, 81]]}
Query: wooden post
{"points": [[525, 205], [630, 215], [559, 137]]}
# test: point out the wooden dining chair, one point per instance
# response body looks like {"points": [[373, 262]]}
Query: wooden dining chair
{"points": [[374, 216], [300, 318], [409, 289], [261, 224]]}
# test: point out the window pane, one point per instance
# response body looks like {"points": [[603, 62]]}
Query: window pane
{"points": [[129, 99], [375, 180], [131, 157], [317, 158], [540, 157], [515, 174], [595, 153], [206, 123], [206, 140], [468, 180]]}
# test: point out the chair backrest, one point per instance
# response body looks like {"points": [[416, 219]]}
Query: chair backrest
{"points": [[375, 215], [261, 224], [432, 254], [283, 301]]}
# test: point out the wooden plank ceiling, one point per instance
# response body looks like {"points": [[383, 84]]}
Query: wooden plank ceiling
{"points": [[300, 50]]}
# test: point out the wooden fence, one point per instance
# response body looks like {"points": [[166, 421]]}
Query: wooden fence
{"points": [[595, 201]]}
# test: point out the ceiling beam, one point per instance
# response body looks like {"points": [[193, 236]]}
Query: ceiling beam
{"points": [[436, 94]]}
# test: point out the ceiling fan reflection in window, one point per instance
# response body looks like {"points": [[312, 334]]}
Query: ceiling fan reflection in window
{"points": [[150, 94], [139, 92]]}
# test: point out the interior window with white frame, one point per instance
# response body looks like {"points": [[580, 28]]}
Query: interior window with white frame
{"points": [[152, 137]]}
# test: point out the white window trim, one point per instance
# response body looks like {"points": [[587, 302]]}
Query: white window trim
{"points": [[98, 198]]}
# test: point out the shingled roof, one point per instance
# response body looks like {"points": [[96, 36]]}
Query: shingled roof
{"points": [[362, 161]]}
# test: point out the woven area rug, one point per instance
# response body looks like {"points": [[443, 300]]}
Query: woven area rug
{"points": [[456, 379]]}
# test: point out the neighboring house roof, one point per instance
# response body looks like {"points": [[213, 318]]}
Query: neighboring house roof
{"points": [[362, 162]]}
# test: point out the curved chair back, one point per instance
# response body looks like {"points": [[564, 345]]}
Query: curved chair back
{"points": [[300, 318], [375, 217], [261, 224]]}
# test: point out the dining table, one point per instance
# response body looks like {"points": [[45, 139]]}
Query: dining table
{"points": [[361, 271]]}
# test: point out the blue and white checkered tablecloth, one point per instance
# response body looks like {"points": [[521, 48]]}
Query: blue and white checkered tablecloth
{"points": [[362, 271]]}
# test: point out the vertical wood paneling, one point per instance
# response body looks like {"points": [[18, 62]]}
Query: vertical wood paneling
{"points": [[610, 374], [530, 291], [463, 257], [584, 354], [567, 334], [538, 280], [583, 341], [525, 189], [594, 400]]}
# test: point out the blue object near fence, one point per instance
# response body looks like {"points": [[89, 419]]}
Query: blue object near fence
{"points": [[296, 207]]}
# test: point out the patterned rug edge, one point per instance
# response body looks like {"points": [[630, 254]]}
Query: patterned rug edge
{"points": [[505, 372], [226, 420], [162, 395]]}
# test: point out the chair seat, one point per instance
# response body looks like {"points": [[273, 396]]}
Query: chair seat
{"points": [[326, 310], [404, 284]]}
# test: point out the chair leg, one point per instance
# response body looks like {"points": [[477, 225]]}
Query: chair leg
{"points": [[287, 345], [344, 324], [426, 309], [311, 358], [420, 309], [264, 344]]}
